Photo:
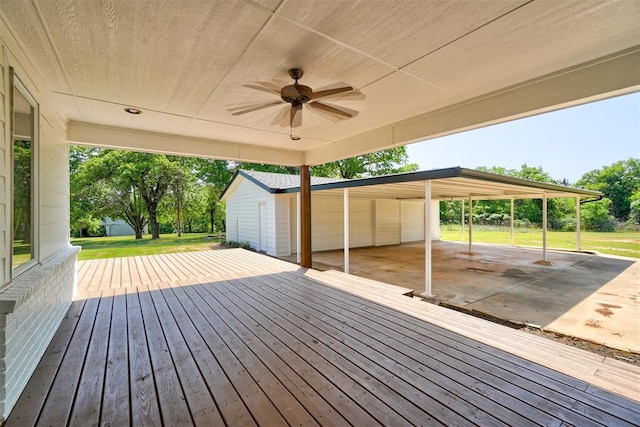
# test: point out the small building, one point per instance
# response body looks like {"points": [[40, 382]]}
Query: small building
{"points": [[116, 227], [119, 227], [262, 210]]}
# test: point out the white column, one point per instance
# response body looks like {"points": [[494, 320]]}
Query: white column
{"points": [[427, 238], [511, 221], [470, 223], [298, 226], [345, 205], [544, 227], [578, 245], [462, 219]]}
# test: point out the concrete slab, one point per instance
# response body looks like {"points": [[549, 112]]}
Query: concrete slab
{"points": [[592, 297]]}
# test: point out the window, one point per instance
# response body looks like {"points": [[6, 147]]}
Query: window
{"points": [[24, 159]]}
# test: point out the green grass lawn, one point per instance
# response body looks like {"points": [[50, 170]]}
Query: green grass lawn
{"points": [[623, 244], [616, 243], [120, 246]]}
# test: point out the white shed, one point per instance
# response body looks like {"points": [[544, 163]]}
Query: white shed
{"points": [[262, 210]]}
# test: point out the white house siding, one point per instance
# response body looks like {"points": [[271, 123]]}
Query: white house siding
{"points": [[243, 214], [398, 222], [386, 220], [283, 224], [32, 304], [412, 220], [360, 223], [327, 230]]}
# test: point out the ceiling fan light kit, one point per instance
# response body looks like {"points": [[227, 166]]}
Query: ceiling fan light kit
{"points": [[299, 95]]}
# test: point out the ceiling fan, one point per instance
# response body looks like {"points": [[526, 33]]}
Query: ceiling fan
{"points": [[298, 95]]}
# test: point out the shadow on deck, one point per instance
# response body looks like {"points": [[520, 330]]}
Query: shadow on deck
{"points": [[231, 337]]}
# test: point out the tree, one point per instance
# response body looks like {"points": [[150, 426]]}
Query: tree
{"points": [[595, 216], [393, 160], [85, 199], [634, 209], [619, 182], [130, 185]]}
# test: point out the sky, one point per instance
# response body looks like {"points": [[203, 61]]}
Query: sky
{"points": [[565, 143]]}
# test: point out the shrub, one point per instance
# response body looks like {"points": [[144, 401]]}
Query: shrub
{"points": [[243, 245]]}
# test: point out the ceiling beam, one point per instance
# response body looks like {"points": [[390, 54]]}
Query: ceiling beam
{"points": [[606, 77], [162, 143]]}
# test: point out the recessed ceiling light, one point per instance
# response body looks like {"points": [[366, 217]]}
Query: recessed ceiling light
{"points": [[132, 110]]}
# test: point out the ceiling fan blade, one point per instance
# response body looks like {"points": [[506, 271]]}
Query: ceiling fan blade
{"points": [[256, 108], [330, 109], [269, 85], [263, 89], [322, 93], [295, 117], [282, 118]]}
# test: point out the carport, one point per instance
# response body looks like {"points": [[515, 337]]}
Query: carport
{"points": [[445, 184]]}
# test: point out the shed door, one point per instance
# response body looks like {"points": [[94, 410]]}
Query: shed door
{"points": [[262, 218]]}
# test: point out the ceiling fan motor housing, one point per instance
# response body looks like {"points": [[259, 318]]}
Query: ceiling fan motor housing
{"points": [[296, 93]]}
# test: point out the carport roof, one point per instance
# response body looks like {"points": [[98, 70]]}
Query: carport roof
{"points": [[450, 184]]}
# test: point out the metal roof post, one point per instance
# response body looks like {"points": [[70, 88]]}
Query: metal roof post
{"points": [[427, 238], [578, 243], [511, 221], [544, 227], [462, 218], [346, 229], [470, 224]]}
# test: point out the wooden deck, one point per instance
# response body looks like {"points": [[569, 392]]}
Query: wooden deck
{"points": [[230, 337]]}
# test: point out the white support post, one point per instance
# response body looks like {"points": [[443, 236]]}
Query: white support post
{"points": [[470, 224], [544, 227], [462, 219], [427, 238], [298, 228], [511, 221], [578, 243], [346, 230]]}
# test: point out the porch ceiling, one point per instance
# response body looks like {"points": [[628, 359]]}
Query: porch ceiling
{"points": [[426, 68]]}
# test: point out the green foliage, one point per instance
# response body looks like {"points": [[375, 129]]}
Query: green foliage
{"points": [[619, 182], [123, 184], [132, 186], [22, 178], [393, 160], [243, 245], [595, 216], [634, 210]]}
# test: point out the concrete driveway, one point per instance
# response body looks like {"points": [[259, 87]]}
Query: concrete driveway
{"points": [[593, 297]]}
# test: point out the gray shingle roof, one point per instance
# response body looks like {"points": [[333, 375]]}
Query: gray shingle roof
{"points": [[275, 182]]}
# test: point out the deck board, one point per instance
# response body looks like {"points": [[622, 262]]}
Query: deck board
{"points": [[145, 409], [115, 409], [85, 411], [230, 337]]}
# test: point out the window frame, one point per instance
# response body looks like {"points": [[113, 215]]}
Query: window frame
{"points": [[17, 84]]}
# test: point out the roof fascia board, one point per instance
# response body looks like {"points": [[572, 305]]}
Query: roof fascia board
{"points": [[162, 143], [455, 172], [491, 177], [605, 77], [386, 179], [250, 178]]}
